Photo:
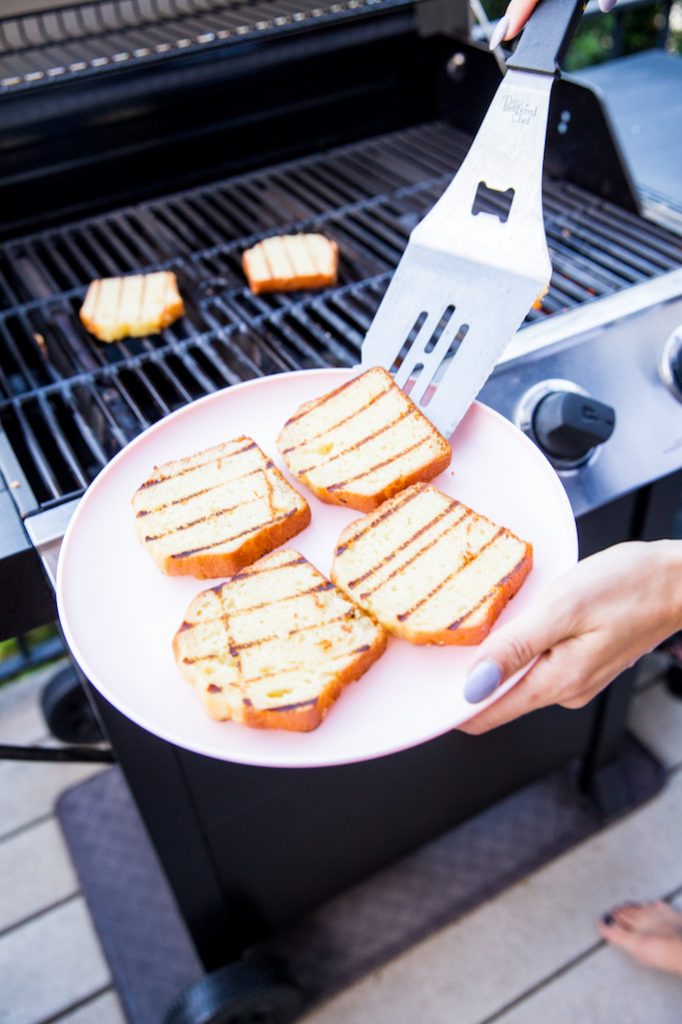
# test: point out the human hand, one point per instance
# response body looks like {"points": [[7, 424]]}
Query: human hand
{"points": [[589, 626], [517, 14]]}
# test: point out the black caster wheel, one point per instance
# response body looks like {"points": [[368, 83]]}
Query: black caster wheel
{"points": [[240, 993], [67, 710]]}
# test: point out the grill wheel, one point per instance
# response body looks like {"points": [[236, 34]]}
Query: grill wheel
{"points": [[67, 711], [240, 993]]}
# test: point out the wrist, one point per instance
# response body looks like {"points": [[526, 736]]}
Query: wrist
{"points": [[668, 567]]}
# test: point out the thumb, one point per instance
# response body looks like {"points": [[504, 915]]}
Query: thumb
{"points": [[511, 649]]}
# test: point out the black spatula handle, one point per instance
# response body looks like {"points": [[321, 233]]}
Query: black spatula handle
{"points": [[545, 38]]}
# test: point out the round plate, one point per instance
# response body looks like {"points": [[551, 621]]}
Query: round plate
{"points": [[119, 613]]}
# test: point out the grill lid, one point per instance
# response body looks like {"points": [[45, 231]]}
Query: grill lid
{"points": [[77, 40]]}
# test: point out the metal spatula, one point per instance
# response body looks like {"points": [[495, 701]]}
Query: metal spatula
{"points": [[468, 278]]}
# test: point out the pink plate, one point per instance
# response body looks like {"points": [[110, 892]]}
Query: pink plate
{"points": [[119, 613]]}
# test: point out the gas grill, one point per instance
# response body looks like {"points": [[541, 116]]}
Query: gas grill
{"points": [[171, 134]]}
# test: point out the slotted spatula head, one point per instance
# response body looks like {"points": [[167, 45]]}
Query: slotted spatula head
{"points": [[476, 263]]}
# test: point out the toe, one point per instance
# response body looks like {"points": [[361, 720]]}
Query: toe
{"points": [[624, 938], [663, 952]]}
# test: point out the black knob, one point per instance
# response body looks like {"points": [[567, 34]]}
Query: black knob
{"points": [[568, 425]]}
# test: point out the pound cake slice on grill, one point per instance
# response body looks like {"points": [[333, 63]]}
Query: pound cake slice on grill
{"points": [[288, 263], [362, 443], [429, 568], [131, 307], [274, 646], [212, 513]]}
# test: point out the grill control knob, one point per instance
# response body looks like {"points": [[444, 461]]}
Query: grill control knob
{"points": [[671, 363], [568, 425]]}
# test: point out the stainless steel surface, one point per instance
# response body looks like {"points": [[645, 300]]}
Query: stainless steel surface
{"points": [[671, 362], [617, 363], [46, 531], [467, 279], [599, 313]]}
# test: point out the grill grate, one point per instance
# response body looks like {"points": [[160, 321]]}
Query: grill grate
{"points": [[68, 403], [82, 38]]}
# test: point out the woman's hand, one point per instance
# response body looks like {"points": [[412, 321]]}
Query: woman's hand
{"points": [[590, 625], [517, 14]]}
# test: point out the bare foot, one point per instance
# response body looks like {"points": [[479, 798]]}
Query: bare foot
{"points": [[649, 932]]}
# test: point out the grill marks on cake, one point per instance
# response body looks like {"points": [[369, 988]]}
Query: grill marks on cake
{"points": [[429, 568], [276, 638], [362, 443], [378, 465], [318, 588], [163, 477], [491, 593], [200, 493], [356, 448], [212, 513], [381, 516], [223, 541], [460, 517], [409, 411], [230, 615], [468, 557], [217, 513], [236, 648], [330, 427]]}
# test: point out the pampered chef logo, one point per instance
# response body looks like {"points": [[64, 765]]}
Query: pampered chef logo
{"points": [[521, 113]]}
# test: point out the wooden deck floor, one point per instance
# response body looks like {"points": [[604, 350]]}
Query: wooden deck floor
{"points": [[529, 956], [51, 964]]}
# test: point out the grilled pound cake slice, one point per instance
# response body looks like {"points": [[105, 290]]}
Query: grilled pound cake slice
{"points": [[131, 307], [362, 443], [274, 645], [288, 263], [212, 513], [429, 568]]}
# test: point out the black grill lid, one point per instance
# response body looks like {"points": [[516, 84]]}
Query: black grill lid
{"points": [[81, 39]]}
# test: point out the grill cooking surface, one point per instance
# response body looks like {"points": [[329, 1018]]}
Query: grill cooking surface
{"points": [[68, 403]]}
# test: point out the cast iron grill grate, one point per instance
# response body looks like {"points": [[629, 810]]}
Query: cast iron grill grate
{"points": [[78, 39], [69, 403]]}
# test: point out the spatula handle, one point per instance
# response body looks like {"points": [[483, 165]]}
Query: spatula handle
{"points": [[546, 36]]}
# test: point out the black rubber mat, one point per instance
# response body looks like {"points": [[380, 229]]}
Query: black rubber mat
{"points": [[150, 952]]}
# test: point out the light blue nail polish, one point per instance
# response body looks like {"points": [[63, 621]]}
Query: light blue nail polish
{"points": [[499, 32], [483, 680], [607, 5]]}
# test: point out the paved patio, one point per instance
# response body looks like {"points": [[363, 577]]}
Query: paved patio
{"points": [[529, 956]]}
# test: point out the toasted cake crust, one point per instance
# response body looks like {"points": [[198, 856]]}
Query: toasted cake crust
{"points": [[131, 307], [211, 513], [274, 646], [362, 443], [286, 263], [429, 568]]}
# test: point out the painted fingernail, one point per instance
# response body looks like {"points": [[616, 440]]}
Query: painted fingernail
{"points": [[499, 32], [608, 919], [607, 5], [483, 680]]}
